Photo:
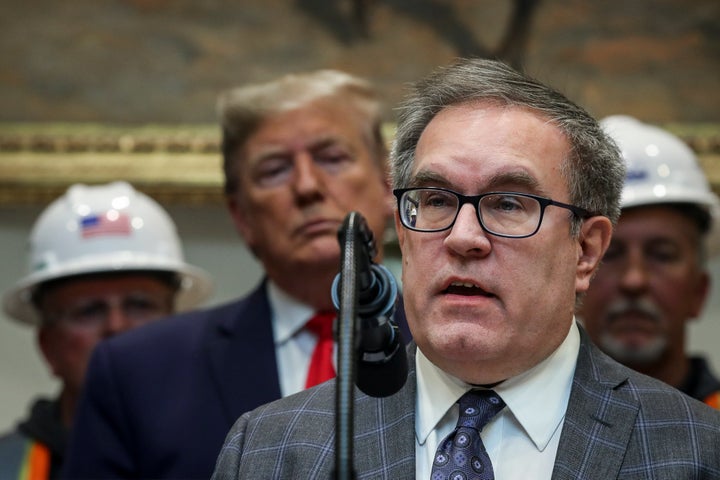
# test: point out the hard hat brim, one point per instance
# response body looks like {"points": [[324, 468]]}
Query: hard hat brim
{"points": [[195, 287]]}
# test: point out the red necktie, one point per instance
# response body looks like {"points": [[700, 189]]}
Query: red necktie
{"points": [[321, 362]]}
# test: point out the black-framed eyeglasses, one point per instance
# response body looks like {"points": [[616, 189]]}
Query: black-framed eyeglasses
{"points": [[504, 214]]}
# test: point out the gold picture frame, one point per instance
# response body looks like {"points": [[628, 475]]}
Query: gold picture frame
{"points": [[178, 164], [174, 164]]}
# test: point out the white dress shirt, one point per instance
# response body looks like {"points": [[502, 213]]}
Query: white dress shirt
{"points": [[522, 440], [294, 345]]}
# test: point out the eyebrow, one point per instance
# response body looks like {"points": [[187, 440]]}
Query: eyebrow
{"points": [[426, 178], [319, 143], [516, 178]]}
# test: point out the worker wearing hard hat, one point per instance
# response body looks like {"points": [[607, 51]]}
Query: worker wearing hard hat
{"points": [[103, 259], [654, 279]]}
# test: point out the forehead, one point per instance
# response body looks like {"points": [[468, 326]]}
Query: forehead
{"points": [[474, 145], [655, 221], [329, 119]]}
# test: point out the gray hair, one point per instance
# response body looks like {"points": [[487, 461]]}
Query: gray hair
{"points": [[594, 172], [243, 109]]}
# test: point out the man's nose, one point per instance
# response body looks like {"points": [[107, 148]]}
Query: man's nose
{"points": [[308, 177], [635, 275], [467, 237], [117, 320]]}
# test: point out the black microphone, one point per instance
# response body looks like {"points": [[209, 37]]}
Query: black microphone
{"points": [[381, 359]]}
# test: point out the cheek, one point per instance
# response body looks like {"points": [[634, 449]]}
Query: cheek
{"points": [[674, 295], [549, 272], [361, 196], [69, 354], [417, 261], [546, 263], [273, 210], [75, 348], [414, 272]]}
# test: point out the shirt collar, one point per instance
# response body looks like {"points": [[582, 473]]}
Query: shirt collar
{"points": [[289, 315], [437, 392], [537, 398]]}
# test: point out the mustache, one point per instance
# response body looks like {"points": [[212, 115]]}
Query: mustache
{"points": [[642, 306]]}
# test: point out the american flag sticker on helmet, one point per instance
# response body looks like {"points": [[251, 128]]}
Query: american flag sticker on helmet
{"points": [[108, 223]]}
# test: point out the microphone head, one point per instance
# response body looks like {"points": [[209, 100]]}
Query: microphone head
{"points": [[384, 378]]}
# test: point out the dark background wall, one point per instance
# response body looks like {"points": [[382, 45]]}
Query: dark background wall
{"points": [[164, 61]]}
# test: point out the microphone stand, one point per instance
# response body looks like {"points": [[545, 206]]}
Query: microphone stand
{"points": [[347, 344], [371, 353]]}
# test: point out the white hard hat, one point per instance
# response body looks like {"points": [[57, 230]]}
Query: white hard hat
{"points": [[104, 228], [661, 169]]}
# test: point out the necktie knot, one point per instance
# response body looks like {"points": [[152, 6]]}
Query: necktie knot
{"points": [[321, 324], [478, 407]]}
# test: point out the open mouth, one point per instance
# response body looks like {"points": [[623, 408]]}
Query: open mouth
{"points": [[466, 289]]}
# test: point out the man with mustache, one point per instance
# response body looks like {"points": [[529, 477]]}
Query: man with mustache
{"points": [[299, 154], [654, 279], [507, 193]]}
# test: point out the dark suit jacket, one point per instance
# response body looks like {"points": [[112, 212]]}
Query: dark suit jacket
{"points": [[619, 425], [159, 400]]}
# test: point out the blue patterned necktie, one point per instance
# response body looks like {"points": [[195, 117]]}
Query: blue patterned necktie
{"points": [[462, 455]]}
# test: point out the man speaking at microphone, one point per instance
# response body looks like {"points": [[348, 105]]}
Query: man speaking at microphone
{"points": [[507, 193]]}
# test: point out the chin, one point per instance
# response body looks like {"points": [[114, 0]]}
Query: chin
{"points": [[320, 247], [640, 355], [460, 340], [317, 261]]}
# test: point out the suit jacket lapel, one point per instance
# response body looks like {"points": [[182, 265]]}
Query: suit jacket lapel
{"points": [[599, 420], [241, 352]]}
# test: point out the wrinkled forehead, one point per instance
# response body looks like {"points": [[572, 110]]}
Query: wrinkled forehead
{"points": [[323, 121], [491, 146]]}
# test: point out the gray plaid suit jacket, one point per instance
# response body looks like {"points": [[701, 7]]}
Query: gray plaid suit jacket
{"points": [[619, 425]]}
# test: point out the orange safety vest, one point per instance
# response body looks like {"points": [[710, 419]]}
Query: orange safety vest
{"points": [[36, 464], [713, 400]]}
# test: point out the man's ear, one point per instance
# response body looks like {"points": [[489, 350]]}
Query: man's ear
{"points": [[594, 240]]}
